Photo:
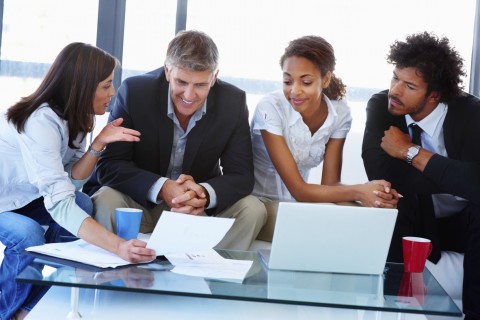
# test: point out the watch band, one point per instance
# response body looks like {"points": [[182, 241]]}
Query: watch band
{"points": [[95, 152], [412, 153]]}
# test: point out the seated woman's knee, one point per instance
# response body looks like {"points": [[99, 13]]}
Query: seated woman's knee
{"points": [[28, 233]]}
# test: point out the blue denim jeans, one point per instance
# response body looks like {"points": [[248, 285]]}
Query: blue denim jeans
{"points": [[19, 230]]}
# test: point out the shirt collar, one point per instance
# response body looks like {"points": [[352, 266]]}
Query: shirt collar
{"points": [[298, 117], [431, 122]]}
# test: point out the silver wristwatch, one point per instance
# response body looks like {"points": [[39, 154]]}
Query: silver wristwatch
{"points": [[412, 153], [95, 152]]}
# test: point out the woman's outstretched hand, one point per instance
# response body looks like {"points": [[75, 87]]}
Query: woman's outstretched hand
{"points": [[114, 132]]}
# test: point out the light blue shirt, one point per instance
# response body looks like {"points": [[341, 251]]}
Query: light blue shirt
{"points": [[37, 163], [180, 137]]}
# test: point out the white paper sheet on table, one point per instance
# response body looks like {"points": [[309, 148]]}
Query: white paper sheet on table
{"points": [[177, 232], [209, 264], [81, 251]]}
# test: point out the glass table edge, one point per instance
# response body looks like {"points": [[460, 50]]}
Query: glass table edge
{"points": [[457, 312]]}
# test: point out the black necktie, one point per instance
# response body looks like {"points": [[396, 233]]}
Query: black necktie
{"points": [[425, 225], [416, 133]]}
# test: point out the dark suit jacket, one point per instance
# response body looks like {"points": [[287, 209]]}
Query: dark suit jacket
{"points": [[218, 149], [459, 174]]}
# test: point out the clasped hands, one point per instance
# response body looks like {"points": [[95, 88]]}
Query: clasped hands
{"points": [[184, 195], [394, 143], [380, 194]]}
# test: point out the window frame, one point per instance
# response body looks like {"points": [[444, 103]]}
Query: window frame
{"points": [[111, 22]]}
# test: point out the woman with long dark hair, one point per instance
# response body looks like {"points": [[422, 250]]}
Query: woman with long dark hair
{"points": [[44, 166]]}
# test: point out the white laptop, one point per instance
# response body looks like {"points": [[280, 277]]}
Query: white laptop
{"points": [[334, 238]]}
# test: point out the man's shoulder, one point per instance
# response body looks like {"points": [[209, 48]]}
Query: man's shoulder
{"points": [[464, 108], [222, 86], [378, 100], [142, 86], [465, 100], [147, 77], [224, 93], [381, 95]]}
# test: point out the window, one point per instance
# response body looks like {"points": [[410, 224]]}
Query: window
{"points": [[251, 36], [149, 27], [34, 32]]}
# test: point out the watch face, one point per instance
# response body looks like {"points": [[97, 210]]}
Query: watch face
{"points": [[411, 153]]}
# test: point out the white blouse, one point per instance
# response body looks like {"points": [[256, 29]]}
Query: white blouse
{"points": [[275, 115]]}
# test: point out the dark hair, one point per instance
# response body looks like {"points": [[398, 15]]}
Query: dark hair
{"points": [[321, 54], [69, 88], [439, 64], [193, 50]]}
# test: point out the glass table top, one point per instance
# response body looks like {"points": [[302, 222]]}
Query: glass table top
{"points": [[393, 291]]}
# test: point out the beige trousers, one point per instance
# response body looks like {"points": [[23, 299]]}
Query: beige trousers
{"points": [[249, 213], [266, 233]]}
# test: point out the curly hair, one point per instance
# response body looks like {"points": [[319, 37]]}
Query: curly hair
{"points": [[439, 63], [321, 54]]}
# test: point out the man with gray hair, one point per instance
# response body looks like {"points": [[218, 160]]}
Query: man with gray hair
{"points": [[194, 154]]}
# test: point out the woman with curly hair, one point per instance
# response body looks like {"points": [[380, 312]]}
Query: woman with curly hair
{"points": [[295, 130]]}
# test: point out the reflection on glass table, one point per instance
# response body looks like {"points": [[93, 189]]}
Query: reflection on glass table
{"points": [[367, 292]]}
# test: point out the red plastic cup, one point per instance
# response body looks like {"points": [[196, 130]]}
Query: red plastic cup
{"points": [[415, 253]]}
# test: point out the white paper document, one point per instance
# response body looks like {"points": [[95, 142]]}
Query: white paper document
{"points": [[81, 251], [210, 265], [179, 233]]}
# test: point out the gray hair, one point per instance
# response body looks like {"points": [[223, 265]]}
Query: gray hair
{"points": [[192, 50]]}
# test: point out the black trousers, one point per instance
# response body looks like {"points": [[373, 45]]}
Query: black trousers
{"points": [[471, 264]]}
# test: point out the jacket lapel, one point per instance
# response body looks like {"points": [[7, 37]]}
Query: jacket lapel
{"points": [[165, 130]]}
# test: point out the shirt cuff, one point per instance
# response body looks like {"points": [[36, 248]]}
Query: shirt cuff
{"points": [[77, 183], [68, 215], [152, 195], [212, 194]]}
